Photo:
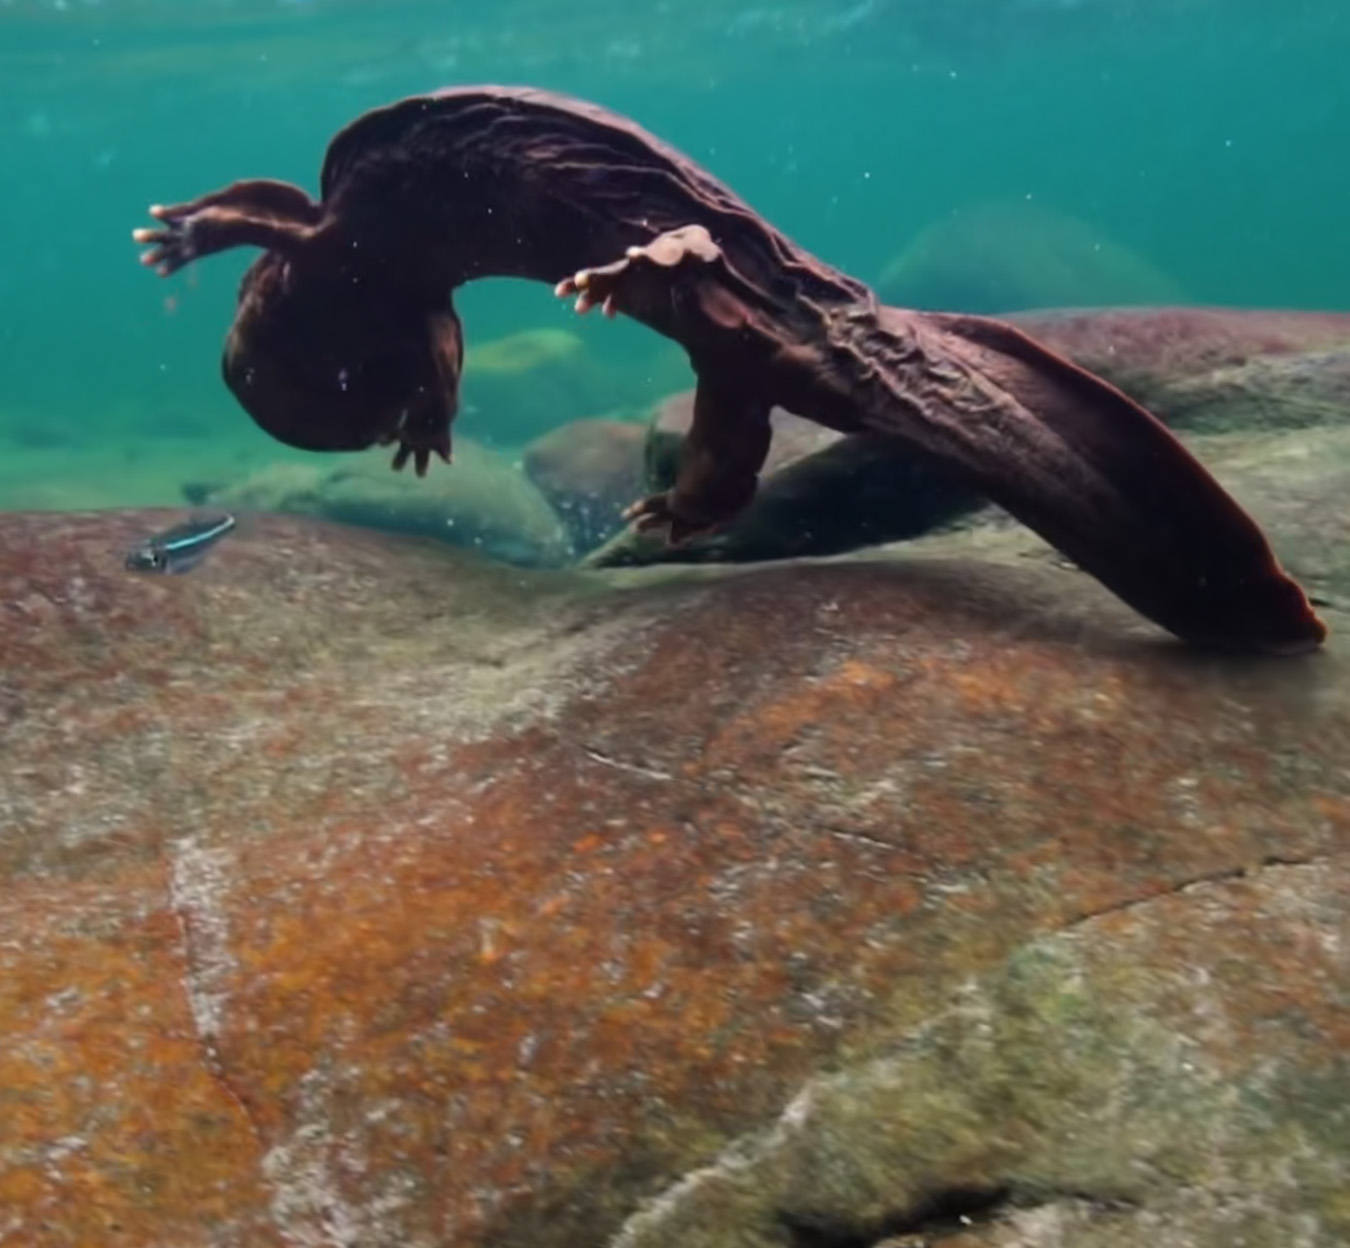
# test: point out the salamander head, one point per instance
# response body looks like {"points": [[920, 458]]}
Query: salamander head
{"points": [[343, 365]]}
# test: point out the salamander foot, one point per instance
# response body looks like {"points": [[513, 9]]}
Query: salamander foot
{"points": [[656, 514], [627, 284], [173, 245]]}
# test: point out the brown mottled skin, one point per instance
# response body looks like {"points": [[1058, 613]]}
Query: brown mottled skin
{"points": [[345, 336]]}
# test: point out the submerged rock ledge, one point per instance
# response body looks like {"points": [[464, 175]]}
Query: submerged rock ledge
{"points": [[358, 892]]}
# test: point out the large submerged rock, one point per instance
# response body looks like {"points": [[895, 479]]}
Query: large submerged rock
{"points": [[821, 493], [1212, 370], [518, 387], [1202, 371], [485, 503], [357, 892], [1008, 256], [590, 471]]}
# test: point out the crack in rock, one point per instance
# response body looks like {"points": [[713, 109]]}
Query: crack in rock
{"points": [[1195, 881], [943, 1213], [954, 1208]]}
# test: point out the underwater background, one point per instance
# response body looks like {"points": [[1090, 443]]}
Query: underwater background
{"points": [[975, 154], [364, 892]]}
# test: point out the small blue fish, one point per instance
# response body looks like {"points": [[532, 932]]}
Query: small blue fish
{"points": [[181, 548]]}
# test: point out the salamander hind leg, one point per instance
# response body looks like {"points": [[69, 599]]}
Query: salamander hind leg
{"points": [[719, 468], [681, 285]]}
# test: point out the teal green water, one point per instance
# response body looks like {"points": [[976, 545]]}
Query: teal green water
{"points": [[1207, 141]]}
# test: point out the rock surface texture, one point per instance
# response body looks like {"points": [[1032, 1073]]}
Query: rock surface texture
{"points": [[357, 892]]}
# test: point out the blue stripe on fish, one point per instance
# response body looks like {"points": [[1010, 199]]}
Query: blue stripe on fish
{"points": [[180, 548]]}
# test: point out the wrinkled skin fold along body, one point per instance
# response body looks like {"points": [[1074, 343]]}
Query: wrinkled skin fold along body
{"points": [[345, 336]]}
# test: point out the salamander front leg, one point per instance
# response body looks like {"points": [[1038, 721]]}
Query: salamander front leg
{"points": [[260, 213]]}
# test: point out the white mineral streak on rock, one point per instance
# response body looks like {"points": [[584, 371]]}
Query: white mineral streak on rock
{"points": [[306, 1170], [197, 882], [307, 1205]]}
